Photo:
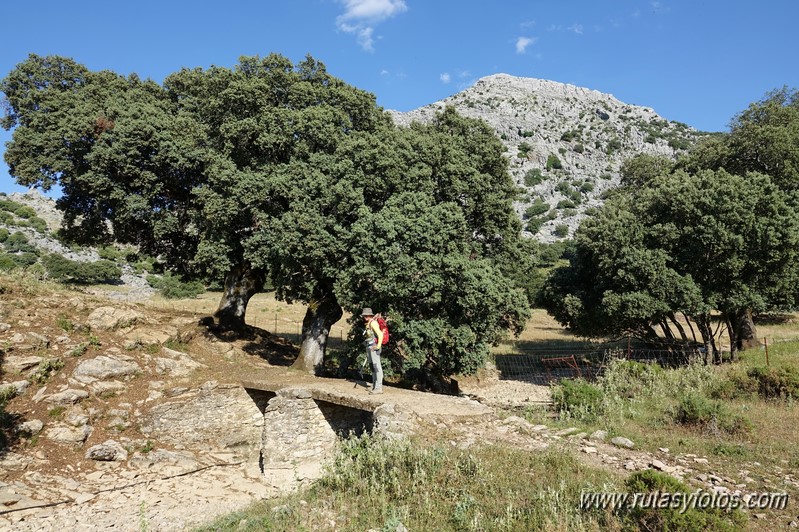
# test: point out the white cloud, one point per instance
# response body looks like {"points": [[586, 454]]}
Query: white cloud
{"points": [[445, 77], [522, 43], [576, 28], [384, 72], [361, 16]]}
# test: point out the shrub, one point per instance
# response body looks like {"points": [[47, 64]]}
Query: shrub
{"points": [[586, 187], [534, 224], [533, 177], [18, 242], [561, 230], [524, 149], [3, 234], [655, 483], [629, 379], [38, 224], [775, 383], [172, 287], [579, 148], [697, 410], [46, 368], [565, 204], [578, 399], [538, 207], [70, 271], [553, 162]]}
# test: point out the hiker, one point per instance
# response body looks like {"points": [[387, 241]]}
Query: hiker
{"points": [[374, 346]]}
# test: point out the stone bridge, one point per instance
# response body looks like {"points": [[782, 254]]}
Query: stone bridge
{"points": [[305, 417]]}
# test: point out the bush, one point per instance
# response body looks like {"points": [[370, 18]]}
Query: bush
{"points": [[775, 383], [629, 379], [697, 410], [553, 162], [172, 287], [533, 177], [654, 482], [69, 271], [3, 234], [561, 230], [534, 224], [565, 204], [538, 207], [18, 242], [578, 399], [38, 224]]}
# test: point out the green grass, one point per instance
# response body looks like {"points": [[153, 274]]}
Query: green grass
{"points": [[713, 411], [377, 484]]}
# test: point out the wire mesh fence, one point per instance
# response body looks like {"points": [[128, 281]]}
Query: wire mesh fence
{"points": [[543, 365]]}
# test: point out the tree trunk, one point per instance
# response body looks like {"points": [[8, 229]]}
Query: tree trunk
{"points": [[746, 331], [323, 311], [679, 327], [732, 331], [703, 324], [241, 283]]}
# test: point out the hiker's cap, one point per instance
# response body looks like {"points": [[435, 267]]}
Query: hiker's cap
{"points": [[367, 312]]}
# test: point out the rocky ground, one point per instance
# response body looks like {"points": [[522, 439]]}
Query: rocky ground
{"points": [[132, 418]]}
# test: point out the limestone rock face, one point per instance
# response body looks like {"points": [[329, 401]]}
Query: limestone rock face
{"points": [[67, 397], [105, 367], [205, 417], [66, 434], [109, 318], [108, 451], [589, 132]]}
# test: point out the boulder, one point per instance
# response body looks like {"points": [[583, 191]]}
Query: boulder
{"points": [[18, 364], [13, 388], [109, 318], [65, 434], [177, 365], [619, 441], [108, 451], [105, 367], [67, 397], [34, 426]]}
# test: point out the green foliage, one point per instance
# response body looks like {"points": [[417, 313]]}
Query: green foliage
{"points": [[776, 383], [655, 483], [18, 243], [697, 410], [68, 271], [676, 246], [613, 145], [553, 162], [533, 177], [313, 184], [561, 231], [577, 399], [565, 204], [524, 149], [3, 234], [46, 368], [172, 287], [65, 323], [539, 206]]}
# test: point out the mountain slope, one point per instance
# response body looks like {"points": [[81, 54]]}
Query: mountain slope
{"points": [[565, 143]]}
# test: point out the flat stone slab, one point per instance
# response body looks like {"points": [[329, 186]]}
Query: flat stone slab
{"points": [[353, 394]]}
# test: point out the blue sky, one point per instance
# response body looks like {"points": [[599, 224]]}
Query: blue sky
{"points": [[699, 62]]}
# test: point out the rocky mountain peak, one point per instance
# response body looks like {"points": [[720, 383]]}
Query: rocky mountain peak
{"points": [[565, 144]]}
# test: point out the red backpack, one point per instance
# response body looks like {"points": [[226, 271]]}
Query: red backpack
{"points": [[383, 327]]}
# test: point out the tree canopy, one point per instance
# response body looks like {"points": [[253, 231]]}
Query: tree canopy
{"points": [[282, 171]]}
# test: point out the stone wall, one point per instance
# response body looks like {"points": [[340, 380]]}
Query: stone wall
{"points": [[301, 433]]}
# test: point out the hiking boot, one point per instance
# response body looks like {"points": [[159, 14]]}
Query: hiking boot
{"points": [[378, 391]]}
